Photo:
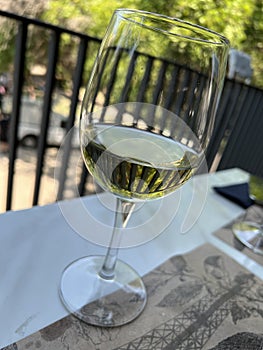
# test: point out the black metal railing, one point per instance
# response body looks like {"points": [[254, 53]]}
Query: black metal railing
{"points": [[55, 34], [242, 108]]}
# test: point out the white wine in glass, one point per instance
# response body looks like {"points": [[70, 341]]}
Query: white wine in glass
{"points": [[123, 162], [146, 120]]}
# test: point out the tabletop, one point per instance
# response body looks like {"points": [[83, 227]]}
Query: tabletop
{"points": [[38, 243]]}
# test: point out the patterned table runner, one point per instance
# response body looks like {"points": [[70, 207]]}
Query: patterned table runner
{"points": [[254, 214], [200, 300]]}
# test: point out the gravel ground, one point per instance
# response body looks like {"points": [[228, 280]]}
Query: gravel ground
{"points": [[25, 166]]}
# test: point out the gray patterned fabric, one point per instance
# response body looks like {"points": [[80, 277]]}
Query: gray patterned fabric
{"points": [[241, 341]]}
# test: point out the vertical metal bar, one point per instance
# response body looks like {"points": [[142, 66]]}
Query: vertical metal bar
{"points": [[142, 89], [224, 117], [117, 53], [184, 86], [170, 93], [50, 84], [18, 84], [127, 85], [145, 79], [159, 85], [83, 179], [112, 78], [126, 88], [98, 79], [190, 98], [221, 122], [70, 123], [159, 82]]}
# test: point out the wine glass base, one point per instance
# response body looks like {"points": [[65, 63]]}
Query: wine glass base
{"points": [[102, 302], [250, 234]]}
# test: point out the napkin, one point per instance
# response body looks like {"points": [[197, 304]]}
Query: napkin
{"points": [[238, 194]]}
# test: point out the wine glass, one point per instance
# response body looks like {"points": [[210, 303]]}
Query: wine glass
{"points": [[147, 116], [249, 231]]}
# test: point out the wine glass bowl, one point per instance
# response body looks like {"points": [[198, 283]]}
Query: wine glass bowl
{"points": [[250, 232], [146, 120], [139, 161]]}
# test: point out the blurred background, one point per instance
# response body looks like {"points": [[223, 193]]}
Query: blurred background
{"points": [[240, 21]]}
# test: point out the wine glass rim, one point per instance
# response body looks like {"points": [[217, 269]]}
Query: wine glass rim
{"points": [[221, 39]]}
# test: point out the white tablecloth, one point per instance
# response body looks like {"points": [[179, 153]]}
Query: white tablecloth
{"points": [[38, 243]]}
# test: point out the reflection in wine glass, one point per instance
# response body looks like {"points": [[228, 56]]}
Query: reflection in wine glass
{"points": [[146, 120], [249, 232]]}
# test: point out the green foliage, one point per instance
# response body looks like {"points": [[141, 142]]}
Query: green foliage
{"points": [[253, 43], [240, 21], [7, 40]]}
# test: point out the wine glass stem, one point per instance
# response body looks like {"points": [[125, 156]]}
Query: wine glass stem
{"points": [[123, 212]]}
